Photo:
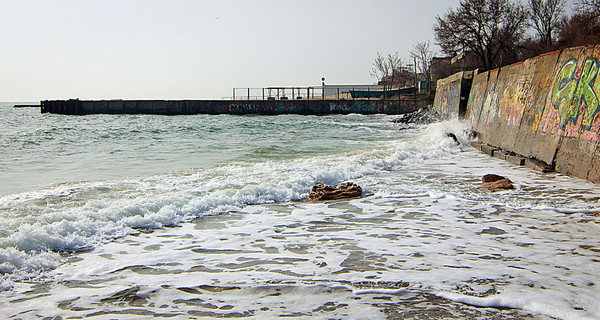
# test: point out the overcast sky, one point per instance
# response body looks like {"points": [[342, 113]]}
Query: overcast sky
{"points": [[185, 49]]}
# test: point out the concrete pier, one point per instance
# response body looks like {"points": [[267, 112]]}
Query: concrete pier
{"points": [[261, 107]]}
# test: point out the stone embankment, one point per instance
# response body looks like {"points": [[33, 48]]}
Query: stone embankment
{"points": [[543, 112], [263, 107]]}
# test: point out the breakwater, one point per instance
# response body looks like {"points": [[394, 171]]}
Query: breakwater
{"points": [[543, 110], [263, 107]]}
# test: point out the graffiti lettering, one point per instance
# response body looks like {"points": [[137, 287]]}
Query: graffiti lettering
{"points": [[586, 94], [356, 106], [574, 96], [443, 105], [453, 99], [243, 108], [490, 106], [515, 98], [562, 92]]}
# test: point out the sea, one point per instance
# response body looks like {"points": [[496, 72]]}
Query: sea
{"points": [[207, 216]]}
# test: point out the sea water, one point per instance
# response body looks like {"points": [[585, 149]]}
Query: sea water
{"points": [[145, 216]]}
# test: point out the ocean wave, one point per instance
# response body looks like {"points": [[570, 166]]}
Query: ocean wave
{"points": [[76, 216], [534, 305]]}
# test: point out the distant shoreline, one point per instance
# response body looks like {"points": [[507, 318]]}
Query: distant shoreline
{"points": [[26, 106]]}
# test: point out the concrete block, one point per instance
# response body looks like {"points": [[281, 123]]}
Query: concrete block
{"points": [[159, 106], [477, 98], [87, 107], [538, 165], [516, 159], [574, 156], [131, 106], [115, 106], [487, 113], [594, 172], [448, 95], [101, 106], [489, 150], [499, 154], [476, 145]]}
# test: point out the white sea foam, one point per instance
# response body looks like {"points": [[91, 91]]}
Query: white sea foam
{"points": [[19, 265], [77, 216], [434, 228], [561, 311], [378, 291]]}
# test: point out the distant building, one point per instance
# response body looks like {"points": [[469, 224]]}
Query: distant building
{"points": [[445, 67]]}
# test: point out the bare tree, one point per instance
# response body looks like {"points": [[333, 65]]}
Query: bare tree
{"points": [[422, 53], [488, 28], [387, 69], [581, 28], [545, 16], [589, 6]]}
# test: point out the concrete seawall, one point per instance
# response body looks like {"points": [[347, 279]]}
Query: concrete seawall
{"points": [[544, 109], [264, 107], [452, 94]]}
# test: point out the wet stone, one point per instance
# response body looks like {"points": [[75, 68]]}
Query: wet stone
{"points": [[217, 288], [298, 248], [29, 298], [66, 304], [330, 306], [245, 314], [203, 269], [154, 247], [126, 296], [493, 231], [189, 290], [196, 302], [321, 192]]}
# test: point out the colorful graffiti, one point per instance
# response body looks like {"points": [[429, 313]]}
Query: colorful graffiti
{"points": [[442, 100], [448, 99], [490, 106], [516, 97], [453, 98], [476, 94], [573, 105], [546, 108], [356, 106], [285, 109], [366, 107]]}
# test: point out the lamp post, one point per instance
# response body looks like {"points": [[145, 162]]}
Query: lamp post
{"points": [[323, 88], [416, 84]]}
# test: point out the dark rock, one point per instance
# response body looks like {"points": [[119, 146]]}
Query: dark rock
{"points": [[494, 181], [493, 230], [420, 116], [453, 136], [491, 178], [471, 134], [322, 192]]}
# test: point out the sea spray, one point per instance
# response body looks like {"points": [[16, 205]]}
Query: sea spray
{"points": [[196, 216], [75, 217]]}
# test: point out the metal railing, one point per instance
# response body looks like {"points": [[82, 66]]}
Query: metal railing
{"points": [[328, 92], [276, 93]]}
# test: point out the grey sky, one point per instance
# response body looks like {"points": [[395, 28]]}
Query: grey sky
{"points": [[178, 49]]}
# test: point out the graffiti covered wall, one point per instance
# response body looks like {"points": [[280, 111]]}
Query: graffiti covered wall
{"points": [[546, 108], [238, 107], [531, 142], [450, 94], [571, 111]]}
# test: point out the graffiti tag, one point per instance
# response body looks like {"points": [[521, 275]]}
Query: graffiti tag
{"points": [[574, 97]]}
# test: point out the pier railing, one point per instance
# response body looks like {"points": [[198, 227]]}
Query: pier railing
{"points": [[328, 92], [276, 93]]}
